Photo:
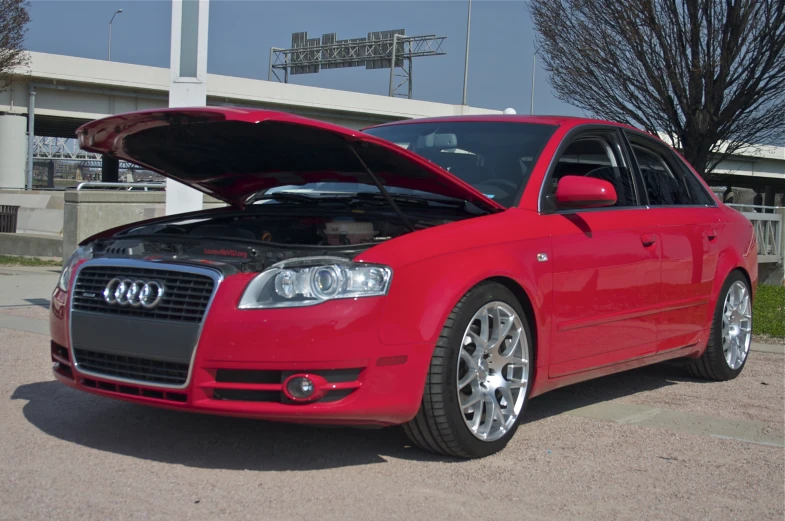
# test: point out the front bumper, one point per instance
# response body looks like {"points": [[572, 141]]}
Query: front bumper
{"points": [[242, 357]]}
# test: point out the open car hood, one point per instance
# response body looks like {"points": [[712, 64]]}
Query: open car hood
{"points": [[233, 154]]}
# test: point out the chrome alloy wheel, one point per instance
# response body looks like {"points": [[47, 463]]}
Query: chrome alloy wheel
{"points": [[493, 371], [736, 325]]}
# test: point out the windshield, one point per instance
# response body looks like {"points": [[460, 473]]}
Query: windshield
{"points": [[494, 157]]}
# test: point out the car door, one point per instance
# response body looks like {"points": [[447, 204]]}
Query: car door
{"points": [[605, 261], [687, 219]]}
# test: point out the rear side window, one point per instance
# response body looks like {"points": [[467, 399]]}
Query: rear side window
{"points": [[667, 182]]}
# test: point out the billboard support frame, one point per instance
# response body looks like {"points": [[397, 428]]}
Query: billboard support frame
{"points": [[380, 50]]}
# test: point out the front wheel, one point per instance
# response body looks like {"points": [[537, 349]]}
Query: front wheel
{"points": [[730, 335], [478, 381]]}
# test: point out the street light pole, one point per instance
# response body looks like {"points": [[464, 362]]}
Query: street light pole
{"points": [[466, 63], [534, 66], [110, 32]]}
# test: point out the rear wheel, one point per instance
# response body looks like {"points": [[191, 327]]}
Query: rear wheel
{"points": [[478, 381], [731, 333]]}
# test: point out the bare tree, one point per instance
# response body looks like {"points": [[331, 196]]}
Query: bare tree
{"points": [[709, 74], [14, 17]]}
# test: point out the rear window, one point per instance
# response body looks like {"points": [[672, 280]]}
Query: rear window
{"points": [[494, 157]]}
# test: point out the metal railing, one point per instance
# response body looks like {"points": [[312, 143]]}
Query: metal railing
{"points": [[98, 185], [768, 224]]}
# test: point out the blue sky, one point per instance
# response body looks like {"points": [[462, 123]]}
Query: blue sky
{"points": [[242, 32]]}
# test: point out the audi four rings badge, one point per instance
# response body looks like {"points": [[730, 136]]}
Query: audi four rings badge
{"points": [[125, 292]]}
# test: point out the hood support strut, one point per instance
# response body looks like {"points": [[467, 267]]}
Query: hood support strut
{"points": [[381, 188]]}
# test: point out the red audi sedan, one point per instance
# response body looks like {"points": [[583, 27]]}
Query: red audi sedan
{"points": [[431, 273]]}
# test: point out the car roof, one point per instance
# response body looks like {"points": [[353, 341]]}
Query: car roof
{"points": [[568, 121]]}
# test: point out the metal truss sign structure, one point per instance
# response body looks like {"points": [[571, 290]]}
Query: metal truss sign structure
{"points": [[67, 149], [60, 149], [379, 50]]}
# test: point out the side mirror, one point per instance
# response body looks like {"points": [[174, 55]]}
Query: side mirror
{"points": [[584, 192]]}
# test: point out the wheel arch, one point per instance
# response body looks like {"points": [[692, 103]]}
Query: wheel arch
{"points": [[526, 302], [727, 263]]}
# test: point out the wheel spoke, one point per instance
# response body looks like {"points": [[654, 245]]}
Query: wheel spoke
{"points": [[469, 400], [490, 411], [484, 328], [502, 329], [508, 398], [475, 339], [469, 360], [498, 414], [744, 305], [474, 423], [736, 351], [471, 374]]}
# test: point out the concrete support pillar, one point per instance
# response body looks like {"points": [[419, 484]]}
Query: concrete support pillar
{"points": [[757, 200], [768, 195], [726, 193], [50, 174], [30, 136], [188, 87], [13, 144], [110, 169]]}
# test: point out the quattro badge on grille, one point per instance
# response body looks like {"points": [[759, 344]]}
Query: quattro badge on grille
{"points": [[125, 292]]}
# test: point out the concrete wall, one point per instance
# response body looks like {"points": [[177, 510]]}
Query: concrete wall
{"points": [[30, 245], [40, 212], [91, 211], [13, 150]]}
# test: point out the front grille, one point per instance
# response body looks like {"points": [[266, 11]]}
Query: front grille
{"points": [[186, 295], [132, 368]]}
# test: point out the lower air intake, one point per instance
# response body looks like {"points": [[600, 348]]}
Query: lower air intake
{"points": [[132, 368]]}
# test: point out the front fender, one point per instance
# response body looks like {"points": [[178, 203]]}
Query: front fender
{"points": [[424, 293]]}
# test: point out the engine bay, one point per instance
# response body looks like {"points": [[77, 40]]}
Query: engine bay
{"points": [[303, 230], [252, 240]]}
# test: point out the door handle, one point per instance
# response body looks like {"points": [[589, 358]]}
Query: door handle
{"points": [[711, 234], [648, 239]]}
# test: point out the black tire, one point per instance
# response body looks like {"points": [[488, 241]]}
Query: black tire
{"points": [[712, 365], [439, 425]]}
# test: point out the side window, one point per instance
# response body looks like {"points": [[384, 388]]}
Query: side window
{"points": [[667, 182], [698, 192], [597, 156]]}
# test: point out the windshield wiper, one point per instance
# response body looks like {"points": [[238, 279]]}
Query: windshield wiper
{"points": [[287, 197], [415, 199]]}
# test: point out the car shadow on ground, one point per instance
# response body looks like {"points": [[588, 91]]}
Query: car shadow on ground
{"points": [[40, 302], [203, 441]]}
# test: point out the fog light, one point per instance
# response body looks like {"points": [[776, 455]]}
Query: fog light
{"points": [[300, 387]]}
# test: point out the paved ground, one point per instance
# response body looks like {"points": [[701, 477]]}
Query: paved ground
{"points": [[649, 444]]}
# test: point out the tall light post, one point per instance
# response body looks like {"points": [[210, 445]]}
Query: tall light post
{"points": [[466, 63], [534, 65], [110, 32]]}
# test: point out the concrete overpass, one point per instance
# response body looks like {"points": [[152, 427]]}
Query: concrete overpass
{"points": [[70, 88], [65, 92]]}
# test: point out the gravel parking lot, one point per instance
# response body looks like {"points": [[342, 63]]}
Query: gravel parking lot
{"points": [[648, 444]]}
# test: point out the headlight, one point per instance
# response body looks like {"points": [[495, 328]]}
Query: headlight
{"points": [[309, 281], [82, 252]]}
